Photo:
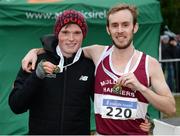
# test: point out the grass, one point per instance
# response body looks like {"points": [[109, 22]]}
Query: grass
{"points": [[177, 98]]}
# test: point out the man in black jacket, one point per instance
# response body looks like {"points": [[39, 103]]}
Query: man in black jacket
{"points": [[68, 38], [57, 93]]}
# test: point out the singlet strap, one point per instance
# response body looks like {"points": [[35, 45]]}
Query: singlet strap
{"points": [[102, 55]]}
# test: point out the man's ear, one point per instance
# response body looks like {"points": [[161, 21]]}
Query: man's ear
{"points": [[136, 27], [107, 29]]}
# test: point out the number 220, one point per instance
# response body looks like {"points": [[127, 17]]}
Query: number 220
{"points": [[127, 112]]}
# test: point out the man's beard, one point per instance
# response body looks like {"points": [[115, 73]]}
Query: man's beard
{"points": [[125, 46]]}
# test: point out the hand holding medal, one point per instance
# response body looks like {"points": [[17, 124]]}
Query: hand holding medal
{"points": [[56, 69], [49, 68], [45, 68], [117, 88], [129, 80]]}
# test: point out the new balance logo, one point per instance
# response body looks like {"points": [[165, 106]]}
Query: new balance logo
{"points": [[83, 78]]}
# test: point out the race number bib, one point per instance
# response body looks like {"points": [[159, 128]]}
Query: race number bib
{"points": [[116, 107]]}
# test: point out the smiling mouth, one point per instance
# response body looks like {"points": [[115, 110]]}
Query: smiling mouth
{"points": [[71, 44], [120, 38]]}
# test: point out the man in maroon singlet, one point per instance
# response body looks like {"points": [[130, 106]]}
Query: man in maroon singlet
{"points": [[126, 80]]}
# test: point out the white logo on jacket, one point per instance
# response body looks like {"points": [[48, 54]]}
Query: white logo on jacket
{"points": [[83, 78]]}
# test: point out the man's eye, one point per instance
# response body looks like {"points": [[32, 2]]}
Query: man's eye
{"points": [[78, 32], [114, 25], [125, 24], [65, 32]]}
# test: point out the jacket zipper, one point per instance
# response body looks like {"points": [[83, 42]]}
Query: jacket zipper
{"points": [[63, 100]]}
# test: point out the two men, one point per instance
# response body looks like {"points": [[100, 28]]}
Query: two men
{"points": [[124, 77]]}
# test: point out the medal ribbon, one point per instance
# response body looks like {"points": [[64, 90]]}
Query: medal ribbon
{"points": [[112, 75], [61, 62]]}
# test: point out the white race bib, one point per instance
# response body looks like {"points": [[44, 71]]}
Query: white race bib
{"points": [[116, 107]]}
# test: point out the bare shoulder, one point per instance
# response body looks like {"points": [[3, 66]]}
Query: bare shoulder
{"points": [[94, 52], [153, 61], [157, 77], [154, 67]]}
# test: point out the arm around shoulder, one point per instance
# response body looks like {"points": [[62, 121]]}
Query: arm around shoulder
{"points": [[29, 61], [93, 52]]}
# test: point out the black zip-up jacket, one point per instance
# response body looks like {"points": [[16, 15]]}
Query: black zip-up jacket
{"points": [[59, 104]]}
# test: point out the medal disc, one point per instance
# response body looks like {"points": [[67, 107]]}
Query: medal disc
{"points": [[117, 89], [56, 70]]}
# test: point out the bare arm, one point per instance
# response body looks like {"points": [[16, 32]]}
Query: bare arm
{"points": [[162, 97], [93, 52], [29, 61], [159, 95]]}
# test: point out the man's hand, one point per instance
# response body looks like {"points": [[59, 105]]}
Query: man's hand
{"points": [[44, 68], [145, 126], [48, 67], [29, 61], [129, 80]]}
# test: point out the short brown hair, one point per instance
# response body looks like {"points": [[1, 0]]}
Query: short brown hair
{"points": [[119, 7]]}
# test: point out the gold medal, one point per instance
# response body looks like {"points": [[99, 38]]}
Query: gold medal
{"points": [[56, 70], [117, 89]]}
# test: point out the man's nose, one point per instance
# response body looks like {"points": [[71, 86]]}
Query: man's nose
{"points": [[71, 37], [120, 29]]}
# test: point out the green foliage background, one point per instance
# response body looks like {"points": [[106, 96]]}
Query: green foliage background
{"points": [[171, 14]]}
